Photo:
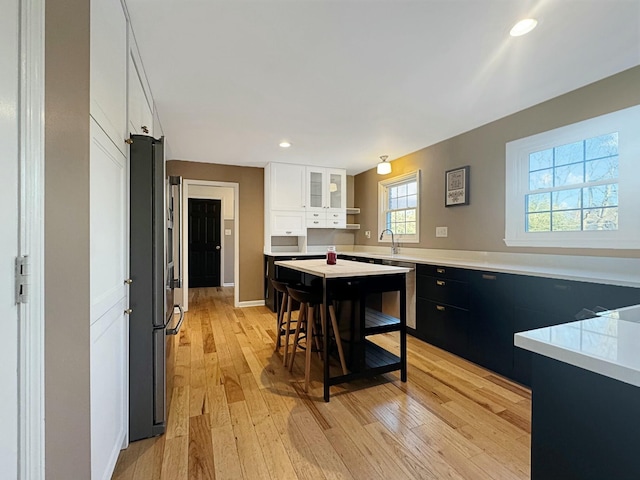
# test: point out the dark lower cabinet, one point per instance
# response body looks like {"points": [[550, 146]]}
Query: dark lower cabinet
{"points": [[584, 426], [475, 314], [491, 326], [443, 325], [442, 307]]}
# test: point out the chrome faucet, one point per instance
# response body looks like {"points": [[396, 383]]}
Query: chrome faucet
{"points": [[394, 247]]}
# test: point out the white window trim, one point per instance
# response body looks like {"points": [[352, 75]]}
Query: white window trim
{"points": [[517, 157], [382, 224]]}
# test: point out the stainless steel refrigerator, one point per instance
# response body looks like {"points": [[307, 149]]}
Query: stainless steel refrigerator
{"points": [[155, 267]]}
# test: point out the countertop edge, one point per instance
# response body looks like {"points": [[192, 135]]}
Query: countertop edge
{"points": [[582, 360]]}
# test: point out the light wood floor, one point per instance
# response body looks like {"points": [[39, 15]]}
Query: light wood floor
{"points": [[235, 412]]}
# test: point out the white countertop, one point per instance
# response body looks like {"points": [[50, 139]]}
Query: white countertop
{"points": [[607, 344], [342, 268], [606, 270]]}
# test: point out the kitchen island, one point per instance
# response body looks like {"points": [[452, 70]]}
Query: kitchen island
{"points": [[586, 398], [361, 279]]}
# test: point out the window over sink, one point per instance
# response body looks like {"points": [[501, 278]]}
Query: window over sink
{"points": [[399, 207]]}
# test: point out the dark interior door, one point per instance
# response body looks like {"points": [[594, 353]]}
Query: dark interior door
{"points": [[204, 243]]}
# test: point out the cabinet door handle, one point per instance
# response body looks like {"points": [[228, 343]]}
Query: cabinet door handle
{"points": [[316, 222], [440, 283], [489, 277], [336, 223], [288, 232], [440, 270], [440, 308]]}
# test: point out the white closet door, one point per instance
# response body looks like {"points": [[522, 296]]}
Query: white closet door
{"points": [[109, 328], [9, 239]]}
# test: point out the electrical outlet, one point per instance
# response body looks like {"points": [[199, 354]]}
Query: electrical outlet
{"points": [[367, 234], [442, 231], [227, 231]]}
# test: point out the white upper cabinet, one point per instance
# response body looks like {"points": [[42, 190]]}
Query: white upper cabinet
{"points": [[326, 190], [286, 187], [140, 105], [140, 113], [109, 69]]}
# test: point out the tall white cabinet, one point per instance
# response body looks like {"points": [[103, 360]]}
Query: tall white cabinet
{"points": [[109, 235], [301, 197], [120, 104]]}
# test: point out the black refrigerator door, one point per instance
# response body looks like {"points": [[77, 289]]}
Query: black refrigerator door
{"points": [[159, 382], [147, 399]]}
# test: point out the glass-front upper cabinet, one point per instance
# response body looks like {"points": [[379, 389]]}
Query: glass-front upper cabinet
{"points": [[337, 190], [316, 188], [326, 189]]}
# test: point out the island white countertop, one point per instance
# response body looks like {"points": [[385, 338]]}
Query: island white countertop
{"points": [[607, 344], [342, 268]]}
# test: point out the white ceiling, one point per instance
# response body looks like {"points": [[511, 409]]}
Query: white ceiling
{"points": [[346, 81]]}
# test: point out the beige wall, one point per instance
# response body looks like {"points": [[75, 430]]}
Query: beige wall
{"points": [[480, 225], [67, 410], [251, 216]]}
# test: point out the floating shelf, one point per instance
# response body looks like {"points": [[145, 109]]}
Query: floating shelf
{"points": [[353, 211]]}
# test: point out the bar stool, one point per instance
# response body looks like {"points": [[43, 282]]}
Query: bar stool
{"points": [[282, 288], [309, 302]]}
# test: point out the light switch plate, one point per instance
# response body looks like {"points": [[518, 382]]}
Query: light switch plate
{"points": [[367, 234], [227, 231], [442, 231]]}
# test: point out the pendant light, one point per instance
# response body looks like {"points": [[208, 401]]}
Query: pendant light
{"points": [[384, 168]]}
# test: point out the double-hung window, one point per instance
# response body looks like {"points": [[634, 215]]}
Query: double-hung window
{"points": [[576, 186], [398, 207]]}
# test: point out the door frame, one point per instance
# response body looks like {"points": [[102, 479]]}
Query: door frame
{"points": [[31, 425], [185, 235], [186, 264]]}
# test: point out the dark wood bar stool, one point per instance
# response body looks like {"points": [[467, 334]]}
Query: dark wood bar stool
{"points": [[310, 301], [283, 328]]}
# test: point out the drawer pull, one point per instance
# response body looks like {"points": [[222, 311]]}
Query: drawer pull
{"points": [[488, 277], [440, 283], [316, 222], [440, 308], [440, 270], [288, 232]]}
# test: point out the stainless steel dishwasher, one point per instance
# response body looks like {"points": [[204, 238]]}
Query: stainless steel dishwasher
{"points": [[391, 300]]}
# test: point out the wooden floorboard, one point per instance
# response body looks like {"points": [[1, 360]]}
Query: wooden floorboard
{"points": [[236, 413]]}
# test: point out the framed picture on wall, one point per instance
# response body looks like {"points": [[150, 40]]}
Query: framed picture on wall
{"points": [[456, 189]]}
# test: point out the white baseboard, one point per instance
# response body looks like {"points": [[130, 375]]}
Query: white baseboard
{"points": [[229, 284], [251, 303]]}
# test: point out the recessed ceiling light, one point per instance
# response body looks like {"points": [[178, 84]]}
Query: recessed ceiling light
{"points": [[523, 27], [285, 144]]}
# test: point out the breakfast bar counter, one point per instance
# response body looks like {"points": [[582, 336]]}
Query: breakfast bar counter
{"points": [[360, 279]]}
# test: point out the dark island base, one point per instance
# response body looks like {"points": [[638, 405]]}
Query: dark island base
{"points": [[585, 426]]}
